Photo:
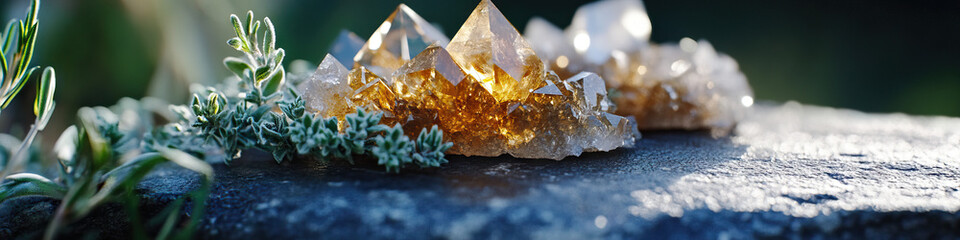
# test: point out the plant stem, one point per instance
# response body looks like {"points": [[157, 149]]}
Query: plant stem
{"points": [[17, 160]]}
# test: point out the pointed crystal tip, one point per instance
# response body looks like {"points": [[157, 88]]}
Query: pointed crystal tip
{"points": [[327, 90], [491, 51], [399, 38]]}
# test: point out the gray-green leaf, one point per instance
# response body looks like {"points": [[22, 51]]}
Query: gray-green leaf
{"points": [[236, 65], [43, 105], [274, 83]]}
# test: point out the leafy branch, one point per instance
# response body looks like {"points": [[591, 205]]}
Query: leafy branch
{"points": [[262, 72], [15, 73], [15, 70]]}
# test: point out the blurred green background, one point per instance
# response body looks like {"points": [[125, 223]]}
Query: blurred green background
{"points": [[875, 56]]}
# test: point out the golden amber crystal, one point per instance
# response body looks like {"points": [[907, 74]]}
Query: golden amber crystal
{"points": [[371, 92], [490, 50]]}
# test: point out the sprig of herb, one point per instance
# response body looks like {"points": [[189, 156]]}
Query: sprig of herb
{"points": [[250, 118], [15, 71]]}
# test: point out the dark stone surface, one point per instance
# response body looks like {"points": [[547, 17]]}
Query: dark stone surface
{"points": [[790, 171]]}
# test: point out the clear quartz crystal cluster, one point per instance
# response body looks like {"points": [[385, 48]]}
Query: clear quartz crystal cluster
{"points": [[486, 89], [671, 86]]}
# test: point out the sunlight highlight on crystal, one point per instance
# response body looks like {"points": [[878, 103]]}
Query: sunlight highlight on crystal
{"points": [[400, 37]]}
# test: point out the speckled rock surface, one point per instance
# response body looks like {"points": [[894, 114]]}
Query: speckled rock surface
{"points": [[789, 171]]}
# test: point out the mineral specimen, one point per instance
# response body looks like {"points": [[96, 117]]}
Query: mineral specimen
{"points": [[403, 35], [687, 85], [487, 90]]}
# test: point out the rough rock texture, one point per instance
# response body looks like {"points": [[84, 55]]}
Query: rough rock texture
{"points": [[789, 171]]}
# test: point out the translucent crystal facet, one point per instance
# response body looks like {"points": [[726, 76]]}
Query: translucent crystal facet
{"points": [[403, 35], [370, 91], [346, 46], [687, 85], [488, 91], [327, 91], [491, 51]]}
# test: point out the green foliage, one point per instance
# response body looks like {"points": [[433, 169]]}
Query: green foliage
{"points": [[15, 73], [100, 163], [43, 105], [249, 118], [393, 149], [262, 73], [431, 148]]}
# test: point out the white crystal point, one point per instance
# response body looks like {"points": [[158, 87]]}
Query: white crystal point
{"points": [[327, 91], [346, 46], [602, 27], [399, 38]]}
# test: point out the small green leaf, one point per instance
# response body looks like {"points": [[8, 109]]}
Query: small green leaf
{"points": [[261, 73], [196, 106], [250, 22], [269, 38], [236, 65], [23, 30], [8, 38], [43, 105], [25, 184], [93, 143], [235, 43], [19, 83], [32, 14], [274, 83], [241, 34], [278, 59], [213, 104], [27, 45], [254, 30]]}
